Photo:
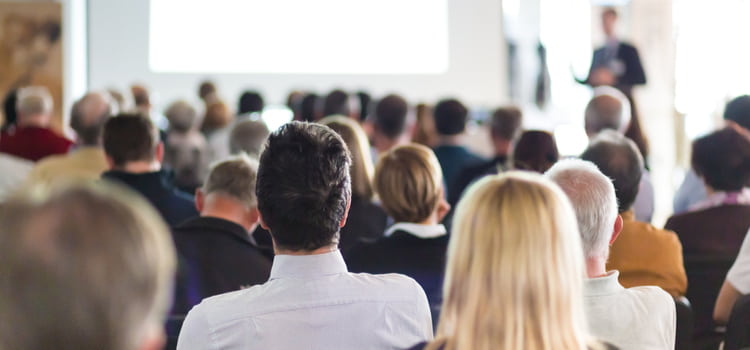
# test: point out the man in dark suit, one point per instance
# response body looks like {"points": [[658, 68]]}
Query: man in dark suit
{"points": [[217, 254], [134, 154], [616, 63]]}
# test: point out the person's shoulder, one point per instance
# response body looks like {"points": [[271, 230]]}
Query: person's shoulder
{"points": [[652, 296], [388, 285], [654, 233]]}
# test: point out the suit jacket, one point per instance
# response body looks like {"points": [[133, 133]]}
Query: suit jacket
{"points": [[422, 259], [713, 231], [628, 58], [215, 256], [453, 159], [648, 256], [473, 173], [173, 205], [365, 223]]}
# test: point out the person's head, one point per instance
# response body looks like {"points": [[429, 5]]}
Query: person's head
{"points": [[618, 158], [409, 183], [593, 198], [356, 140], [424, 132], [609, 21], [608, 109], [304, 187], [364, 105], [308, 108], [141, 98], [131, 138], [232, 182], [535, 150], [738, 111], [60, 248], [123, 103], [337, 103], [10, 116], [88, 115], [722, 159], [505, 126], [187, 155], [248, 136], [217, 116], [390, 117], [450, 117], [515, 268], [34, 106], [250, 102], [206, 90], [182, 116]]}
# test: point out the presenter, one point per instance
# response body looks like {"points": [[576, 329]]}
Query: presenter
{"points": [[618, 64]]}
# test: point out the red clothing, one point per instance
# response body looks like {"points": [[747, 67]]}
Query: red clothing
{"points": [[33, 143]]}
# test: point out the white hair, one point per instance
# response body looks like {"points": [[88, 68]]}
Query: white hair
{"points": [[34, 100], [592, 195]]}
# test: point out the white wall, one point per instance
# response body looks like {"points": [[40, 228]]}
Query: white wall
{"points": [[118, 56]]}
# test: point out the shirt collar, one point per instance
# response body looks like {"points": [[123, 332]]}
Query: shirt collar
{"points": [[717, 199], [307, 266], [421, 231], [605, 285]]}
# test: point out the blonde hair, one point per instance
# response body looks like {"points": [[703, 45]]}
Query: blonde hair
{"points": [[83, 266], [515, 269], [356, 140], [409, 182]]}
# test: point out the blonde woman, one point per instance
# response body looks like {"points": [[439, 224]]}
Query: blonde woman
{"points": [[515, 270], [366, 220]]}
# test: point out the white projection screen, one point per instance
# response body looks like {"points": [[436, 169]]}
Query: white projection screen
{"points": [[423, 49]]}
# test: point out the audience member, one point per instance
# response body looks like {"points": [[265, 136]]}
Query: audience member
{"points": [[32, 138], [535, 150], [134, 154], [450, 123], [216, 118], [207, 91], [643, 254], [364, 105], [182, 117], [635, 318], [390, 124], [609, 109], [366, 220], [424, 132], [143, 106], [514, 276], [308, 108], [692, 189], [250, 102], [338, 102], [87, 161], [410, 185], [10, 115], [84, 267], [505, 125], [186, 150], [310, 301], [294, 102], [248, 136], [216, 250], [121, 102], [722, 160]]}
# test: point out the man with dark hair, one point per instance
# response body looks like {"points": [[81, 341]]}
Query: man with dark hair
{"points": [[310, 301], [87, 161], [643, 254], [218, 254], [389, 123], [338, 102], [250, 102], [692, 191], [134, 154], [450, 122], [505, 126]]}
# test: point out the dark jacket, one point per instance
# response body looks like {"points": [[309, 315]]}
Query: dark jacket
{"points": [[173, 205], [215, 256], [628, 56], [365, 223], [454, 159], [713, 231], [473, 173]]}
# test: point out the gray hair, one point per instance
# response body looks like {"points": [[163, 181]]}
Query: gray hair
{"points": [[608, 109], [182, 116], [234, 177], [34, 100], [593, 197], [59, 251], [88, 115], [248, 136]]}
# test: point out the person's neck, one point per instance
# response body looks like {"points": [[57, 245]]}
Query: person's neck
{"points": [[33, 122], [322, 250], [596, 267], [217, 206], [140, 167], [450, 140], [383, 144]]}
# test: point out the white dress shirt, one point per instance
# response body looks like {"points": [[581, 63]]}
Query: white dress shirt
{"points": [[739, 275], [312, 302], [638, 318], [13, 172]]}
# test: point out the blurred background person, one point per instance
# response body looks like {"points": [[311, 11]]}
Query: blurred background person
{"points": [[536, 151], [186, 151], [248, 136], [390, 123], [424, 132]]}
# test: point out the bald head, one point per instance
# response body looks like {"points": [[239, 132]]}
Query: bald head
{"points": [[608, 109], [88, 116]]}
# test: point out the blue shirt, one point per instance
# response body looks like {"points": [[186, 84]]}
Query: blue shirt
{"points": [[312, 302]]}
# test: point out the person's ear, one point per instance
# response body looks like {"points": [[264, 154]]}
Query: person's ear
{"points": [[253, 216], [199, 200], [346, 213], [160, 152], [442, 208], [616, 230]]}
